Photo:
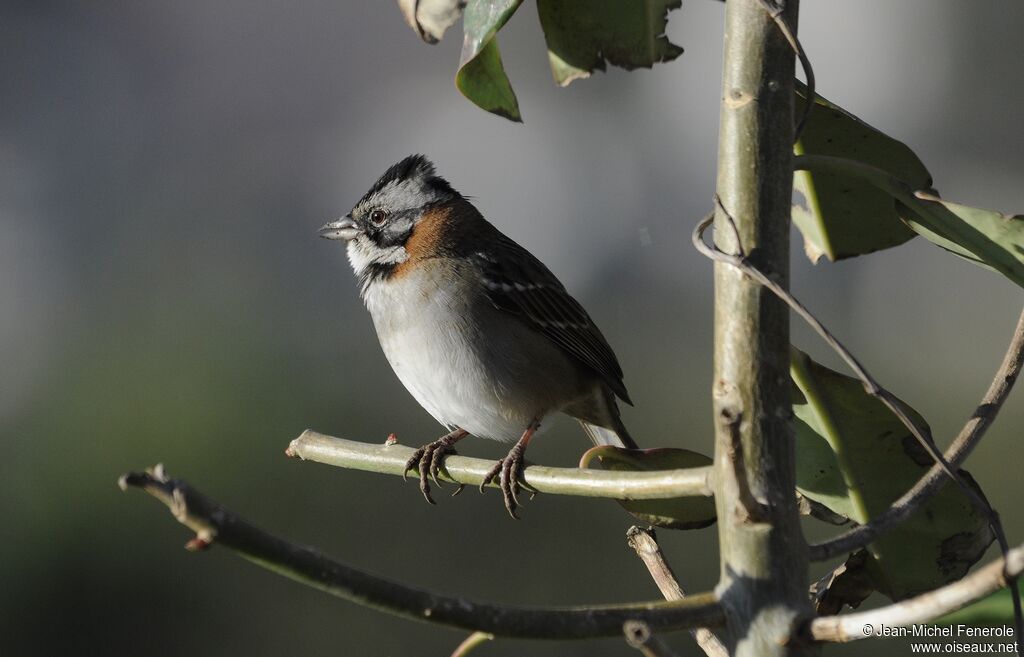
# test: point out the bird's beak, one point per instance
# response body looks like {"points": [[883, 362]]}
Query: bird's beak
{"points": [[342, 229]]}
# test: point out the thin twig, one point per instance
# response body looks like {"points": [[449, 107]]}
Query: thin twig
{"points": [[639, 636], [215, 524], [645, 543], [390, 458], [923, 608], [776, 11], [968, 438], [472, 642]]}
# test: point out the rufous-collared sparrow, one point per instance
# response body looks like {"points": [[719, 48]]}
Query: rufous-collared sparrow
{"points": [[481, 333]]}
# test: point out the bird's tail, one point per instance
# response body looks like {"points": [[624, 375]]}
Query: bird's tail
{"points": [[617, 437]]}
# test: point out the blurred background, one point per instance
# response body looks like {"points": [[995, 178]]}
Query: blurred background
{"points": [[164, 297]]}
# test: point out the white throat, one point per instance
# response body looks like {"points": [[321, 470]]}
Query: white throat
{"points": [[362, 253]]}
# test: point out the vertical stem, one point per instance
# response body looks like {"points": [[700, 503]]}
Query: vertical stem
{"points": [[763, 584]]}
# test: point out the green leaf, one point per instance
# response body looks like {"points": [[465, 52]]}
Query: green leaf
{"points": [[582, 35], [481, 77], [984, 237], [855, 457], [677, 513], [839, 215]]}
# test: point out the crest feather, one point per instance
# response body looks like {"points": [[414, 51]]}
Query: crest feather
{"points": [[414, 167]]}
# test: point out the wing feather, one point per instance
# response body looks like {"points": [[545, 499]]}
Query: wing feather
{"points": [[520, 284]]}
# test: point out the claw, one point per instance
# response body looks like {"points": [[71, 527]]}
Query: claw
{"points": [[512, 467], [516, 473], [507, 491], [424, 466], [509, 469], [413, 462], [491, 474], [458, 490], [435, 462], [427, 461]]}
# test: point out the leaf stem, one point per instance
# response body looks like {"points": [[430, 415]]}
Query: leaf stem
{"points": [[831, 432]]}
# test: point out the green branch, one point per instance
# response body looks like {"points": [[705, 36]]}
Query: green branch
{"points": [[215, 524], [391, 459], [763, 585], [924, 608]]}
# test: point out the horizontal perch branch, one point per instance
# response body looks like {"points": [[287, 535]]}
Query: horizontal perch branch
{"points": [[923, 608], [391, 459], [215, 524]]}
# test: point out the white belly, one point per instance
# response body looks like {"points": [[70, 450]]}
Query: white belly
{"points": [[435, 348]]}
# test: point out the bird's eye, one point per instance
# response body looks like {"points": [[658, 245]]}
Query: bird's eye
{"points": [[377, 217]]}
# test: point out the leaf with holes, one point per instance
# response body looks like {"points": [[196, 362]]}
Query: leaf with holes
{"points": [[847, 585], [841, 215], [855, 457], [677, 513], [481, 77], [582, 35]]}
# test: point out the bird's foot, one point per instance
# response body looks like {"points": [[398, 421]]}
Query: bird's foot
{"points": [[509, 469], [429, 459]]}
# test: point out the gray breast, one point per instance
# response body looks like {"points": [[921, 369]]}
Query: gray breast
{"points": [[467, 363]]}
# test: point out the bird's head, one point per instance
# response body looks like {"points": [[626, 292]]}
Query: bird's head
{"points": [[382, 223]]}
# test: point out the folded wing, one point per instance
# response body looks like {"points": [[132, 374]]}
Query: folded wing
{"points": [[520, 284]]}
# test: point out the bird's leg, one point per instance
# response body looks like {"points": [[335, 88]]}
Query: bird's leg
{"points": [[428, 459], [510, 468]]}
